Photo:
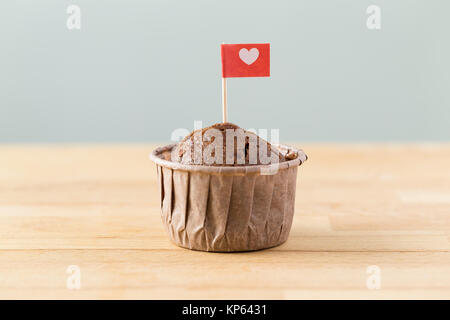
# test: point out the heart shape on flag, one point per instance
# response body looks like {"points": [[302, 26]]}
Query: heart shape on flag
{"points": [[249, 56]]}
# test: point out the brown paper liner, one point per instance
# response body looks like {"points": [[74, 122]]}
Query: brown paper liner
{"points": [[226, 209]]}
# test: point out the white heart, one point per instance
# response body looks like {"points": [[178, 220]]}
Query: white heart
{"points": [[249, 56]]}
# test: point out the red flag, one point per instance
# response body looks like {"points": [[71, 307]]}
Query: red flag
{"points": [[245, 60]]}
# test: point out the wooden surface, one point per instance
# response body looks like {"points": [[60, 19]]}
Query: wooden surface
{"points": [[97, 207]]}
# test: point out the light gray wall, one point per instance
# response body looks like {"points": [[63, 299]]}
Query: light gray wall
{"points": [[138, 69]]}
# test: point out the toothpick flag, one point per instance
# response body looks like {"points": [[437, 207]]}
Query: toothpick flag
{"points": [[243, 60]]}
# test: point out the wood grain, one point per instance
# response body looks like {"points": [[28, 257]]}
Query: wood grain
{"points": [[96, 206]]}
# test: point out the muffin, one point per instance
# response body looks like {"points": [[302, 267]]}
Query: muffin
{"points": [[225, 189], [193, 149]]}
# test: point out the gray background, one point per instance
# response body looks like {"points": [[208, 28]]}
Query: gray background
{"points": [[139, 69]]}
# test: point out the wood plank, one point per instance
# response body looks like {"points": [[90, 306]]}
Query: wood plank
{"points": [[149, 273], [97, 206]]}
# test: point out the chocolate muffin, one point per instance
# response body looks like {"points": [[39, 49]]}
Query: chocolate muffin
{"points": [[243, 204], [202, 147]]}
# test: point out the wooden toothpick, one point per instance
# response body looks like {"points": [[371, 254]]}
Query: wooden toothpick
{"points": [[224, 100]]}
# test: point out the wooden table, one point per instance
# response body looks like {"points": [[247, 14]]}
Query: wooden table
{"points": [[96, 207]]}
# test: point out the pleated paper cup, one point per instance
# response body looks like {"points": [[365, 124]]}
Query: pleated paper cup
{"points": [[227, 209]]}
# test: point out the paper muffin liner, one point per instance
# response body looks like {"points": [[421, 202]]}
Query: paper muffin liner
{"points": [[226, 209]]}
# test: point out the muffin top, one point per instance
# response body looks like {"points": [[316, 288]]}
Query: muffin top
{"points": [[226, 144]]}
